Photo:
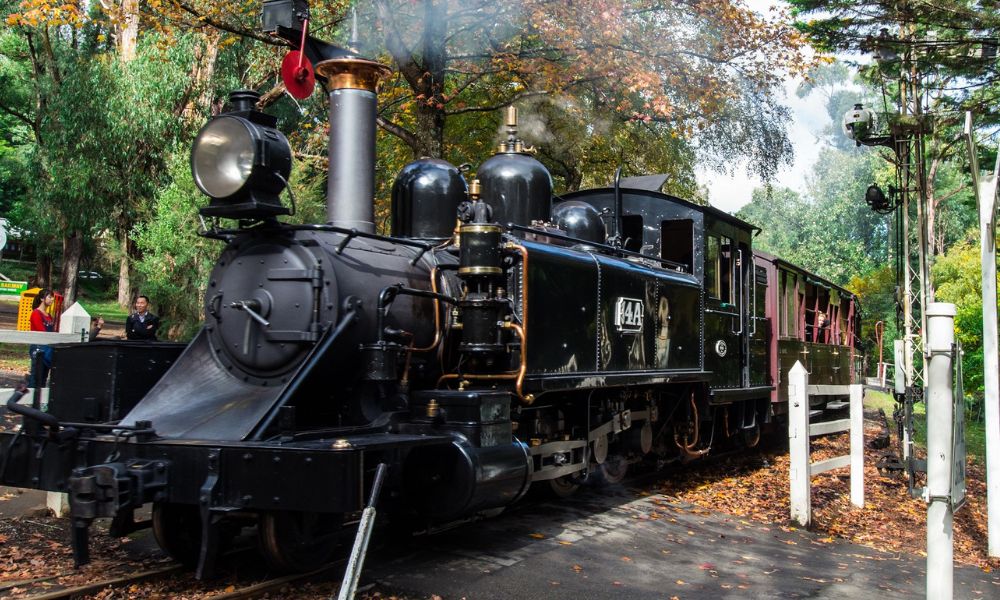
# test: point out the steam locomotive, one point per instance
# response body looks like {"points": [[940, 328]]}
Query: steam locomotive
{"points": [[493, 342]]}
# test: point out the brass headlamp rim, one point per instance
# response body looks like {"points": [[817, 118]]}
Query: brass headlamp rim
{"points": [[352, 73]]}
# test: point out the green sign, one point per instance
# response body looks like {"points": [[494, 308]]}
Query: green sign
{"points": [[12, 288]]}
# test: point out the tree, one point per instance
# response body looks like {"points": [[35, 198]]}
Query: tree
{"points": [[704, 72], [831, 231], [960, 281], [937, 59], [175, 262]]}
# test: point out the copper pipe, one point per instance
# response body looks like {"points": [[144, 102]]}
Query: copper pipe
{"points": [[524, 363], [437, 316], [688, 449], [518, 374], [521, 331]]}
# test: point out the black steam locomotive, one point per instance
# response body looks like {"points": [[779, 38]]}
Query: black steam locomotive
{"points": [[492, 342]]}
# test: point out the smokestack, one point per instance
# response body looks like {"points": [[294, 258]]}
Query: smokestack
{"points": [[350, 192]]}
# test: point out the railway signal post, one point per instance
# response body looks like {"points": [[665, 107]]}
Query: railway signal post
{"points": [[940, 412]]}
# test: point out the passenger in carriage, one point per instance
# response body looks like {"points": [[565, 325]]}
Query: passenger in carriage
{"points": [[821, 328]]}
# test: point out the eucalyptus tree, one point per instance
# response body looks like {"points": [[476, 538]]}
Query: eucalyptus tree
{"points": [[941, 56]]}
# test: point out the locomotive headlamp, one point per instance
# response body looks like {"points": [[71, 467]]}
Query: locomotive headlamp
{"points": [[242, 162]]}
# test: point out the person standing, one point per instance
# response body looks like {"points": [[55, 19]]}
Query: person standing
{"points": [[142, 324], [96, 324], [41, 354]]}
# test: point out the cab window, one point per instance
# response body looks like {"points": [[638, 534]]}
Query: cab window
{"points": [[718, 267]]}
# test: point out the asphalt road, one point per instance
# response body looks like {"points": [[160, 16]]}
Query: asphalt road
{"points": [[618, 545]]}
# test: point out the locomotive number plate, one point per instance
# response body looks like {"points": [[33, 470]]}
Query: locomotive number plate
{"points": [[628, 315]]}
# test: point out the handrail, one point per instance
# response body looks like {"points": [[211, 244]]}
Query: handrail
{"points": [[609, 249]]}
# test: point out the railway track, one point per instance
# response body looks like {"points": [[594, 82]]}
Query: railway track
{"points": [[45, 593], [42, 588], [251, 590]]}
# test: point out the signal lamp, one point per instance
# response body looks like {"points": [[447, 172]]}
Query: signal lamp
{"points": [[876, 199], [242, 162]]}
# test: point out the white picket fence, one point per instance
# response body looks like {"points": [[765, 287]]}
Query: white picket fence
{"points": [[800, 430]]}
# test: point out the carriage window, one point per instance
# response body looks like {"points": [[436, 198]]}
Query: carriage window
{"points": [[788, 318], [677, 243]]}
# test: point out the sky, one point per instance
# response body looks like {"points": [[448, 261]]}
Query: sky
{"points": [[809, 117], [730, 192]]}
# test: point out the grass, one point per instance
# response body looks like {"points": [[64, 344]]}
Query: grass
{"points": [[108, 309], [17, 271], [14, 357], [975, 431]]}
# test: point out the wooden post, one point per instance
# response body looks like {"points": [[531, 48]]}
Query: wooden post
{"points": [[857, 446], [798, 444]]}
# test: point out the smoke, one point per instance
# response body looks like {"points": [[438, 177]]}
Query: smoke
{"points": [[550, 119]]}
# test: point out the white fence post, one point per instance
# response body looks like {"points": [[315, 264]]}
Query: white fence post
{"points": [[857, 446], [798, 444]]}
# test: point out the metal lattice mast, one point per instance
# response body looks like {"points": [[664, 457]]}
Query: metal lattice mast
{"points": [[916, 282]]}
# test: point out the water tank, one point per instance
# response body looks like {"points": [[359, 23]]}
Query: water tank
{"points": [[425, 198]]}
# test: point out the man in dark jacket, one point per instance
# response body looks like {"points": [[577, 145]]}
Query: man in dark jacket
{"points": [[142, 324]]}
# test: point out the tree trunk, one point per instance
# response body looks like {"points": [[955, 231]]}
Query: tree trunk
{"points": [[430, 109], [129, 30], [125, 274], [72, 252], [429, 132], [423, 68], [202, 74], [43, 269], [932, 210]]}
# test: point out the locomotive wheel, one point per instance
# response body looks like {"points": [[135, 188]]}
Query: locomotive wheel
{"points": [[177, 529], [563, 487], [298, 541], [614, 469]]}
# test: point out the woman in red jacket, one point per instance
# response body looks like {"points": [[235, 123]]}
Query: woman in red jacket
{"points": [[41, 356]]}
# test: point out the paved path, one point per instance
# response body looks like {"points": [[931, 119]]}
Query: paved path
{"points": [[17, 502], [619, 546]]}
